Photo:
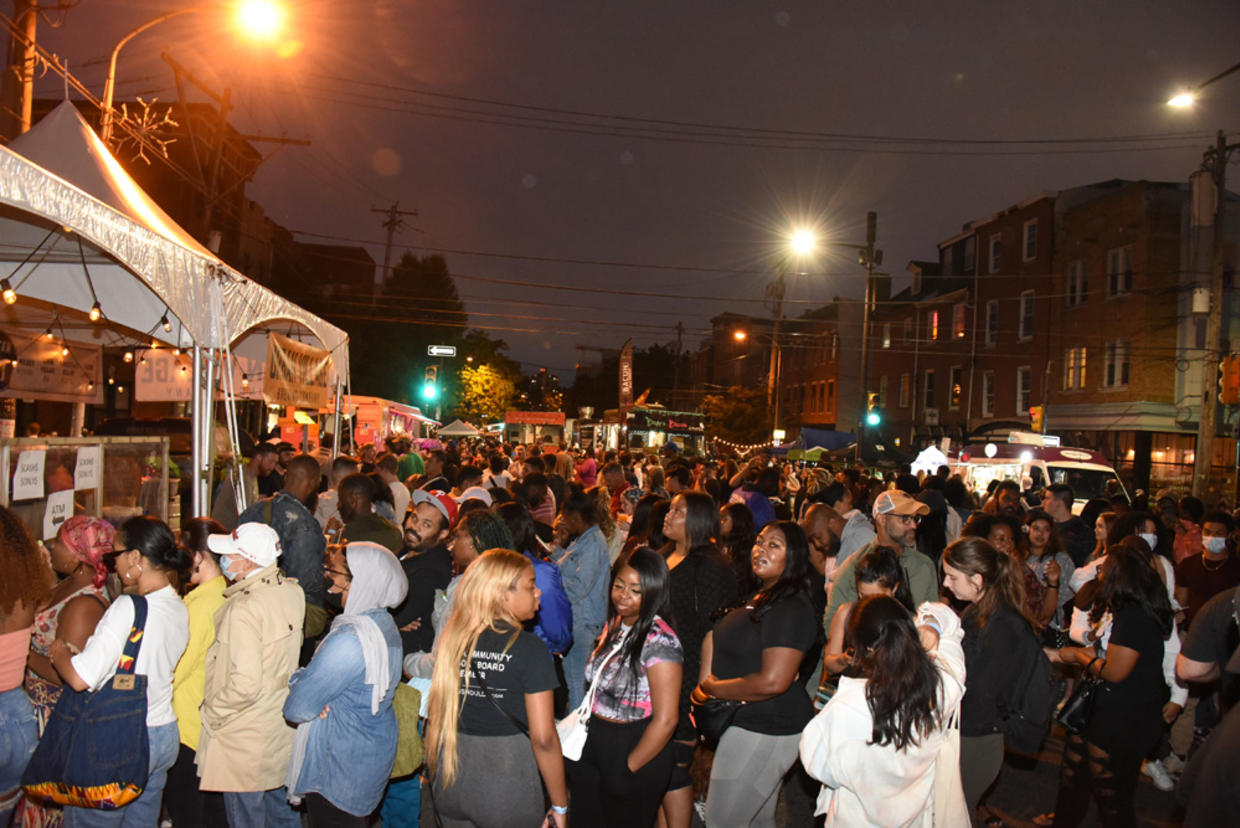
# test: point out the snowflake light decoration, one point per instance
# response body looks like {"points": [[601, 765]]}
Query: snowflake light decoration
{"points": [[146, 128]]}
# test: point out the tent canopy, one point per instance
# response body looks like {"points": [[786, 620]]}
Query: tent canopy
{"points": [[929, 460], [456, 428], [824, 438], [59, 185]]}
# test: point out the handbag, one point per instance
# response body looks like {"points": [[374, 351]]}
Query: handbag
{"points": [[712, 718], [95, 751], [1076, 712], [951, 809], [574, 728]]}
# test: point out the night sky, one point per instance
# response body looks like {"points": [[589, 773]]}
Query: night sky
{"points": [[564, 138]]}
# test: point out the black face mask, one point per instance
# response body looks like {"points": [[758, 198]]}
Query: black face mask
{"points": [[334, 600]]}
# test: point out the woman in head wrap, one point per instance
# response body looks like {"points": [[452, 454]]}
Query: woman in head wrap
{"points": [[342, 701], [68, 613]]}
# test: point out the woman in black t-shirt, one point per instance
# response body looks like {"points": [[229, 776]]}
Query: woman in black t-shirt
{"points": [[752, 655], [1127, 720], [491, 702]]}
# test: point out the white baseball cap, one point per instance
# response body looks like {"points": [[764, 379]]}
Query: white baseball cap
{"points": [[256, 542]]}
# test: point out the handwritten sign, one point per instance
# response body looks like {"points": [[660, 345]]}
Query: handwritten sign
{"points": [[28, 479], [59, 509], [86, 471]]}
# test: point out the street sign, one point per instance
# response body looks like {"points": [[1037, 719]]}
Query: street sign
{"points": [[441, 350]]}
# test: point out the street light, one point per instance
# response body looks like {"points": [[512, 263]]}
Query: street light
{"points": [[740, 336], [259, 18], [1185, 98], [803, 242]]}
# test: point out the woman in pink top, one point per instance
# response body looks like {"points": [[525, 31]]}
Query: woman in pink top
{"points": [[587, 470], [26, 578]]}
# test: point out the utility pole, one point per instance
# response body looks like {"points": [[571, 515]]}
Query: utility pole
{"points": [[18, 76], [680, 334], [775, 291], [869, 257], [1213, 163], [391, 224]]}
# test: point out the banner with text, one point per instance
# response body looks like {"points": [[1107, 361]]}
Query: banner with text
{"points": [[626, 375], [162, 375], [296, 374], [44, 371]]}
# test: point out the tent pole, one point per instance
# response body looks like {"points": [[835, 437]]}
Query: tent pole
{"points": [[195, 430], [208, 432], [336, 419]]}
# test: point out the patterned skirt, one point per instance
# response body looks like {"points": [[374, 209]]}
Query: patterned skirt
{"points": [[44, 695]]}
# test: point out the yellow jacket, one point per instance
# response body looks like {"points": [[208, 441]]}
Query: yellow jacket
{"points": [[245, 742], [190, 676]]}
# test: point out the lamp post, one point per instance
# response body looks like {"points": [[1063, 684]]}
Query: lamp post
{"points": [[261, 18], [801, 244]]}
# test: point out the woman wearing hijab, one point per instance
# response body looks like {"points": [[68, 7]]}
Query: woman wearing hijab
{"points": [[342, 700]]}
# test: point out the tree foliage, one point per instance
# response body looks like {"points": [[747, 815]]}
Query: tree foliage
{"points": [[485, 393], [740, 415], [653, 367]]}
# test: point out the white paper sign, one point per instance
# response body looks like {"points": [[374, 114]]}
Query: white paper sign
{"points": [[28, 479], [86, 472], [59, 509]]}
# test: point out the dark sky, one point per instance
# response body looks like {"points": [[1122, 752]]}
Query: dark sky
{"points": [[400, 101]]}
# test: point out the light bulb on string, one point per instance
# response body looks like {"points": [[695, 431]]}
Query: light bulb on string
{"points": [[245, 381], [183, 370], [120, 389], [64, 350], [90, 385], [164, 321], [128, 356], [96, 312], [48, 333], [111, 380], [10, 295]]}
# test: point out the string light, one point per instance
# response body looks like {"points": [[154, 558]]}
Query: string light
{"points": [[48, 333], [64, 349], [167, 325], [120, 389], [245, 381], [14, 362], [183, 370], [128, 356], [10, 295], [90, 385], [744, 449], [111, 381], [96, 312]]}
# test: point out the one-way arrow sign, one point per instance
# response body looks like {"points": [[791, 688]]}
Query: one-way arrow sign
{"points": [[441, 350]]}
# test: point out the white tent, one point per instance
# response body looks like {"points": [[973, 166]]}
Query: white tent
{"points": [[456, 428], [929, 460], [83, 229]]}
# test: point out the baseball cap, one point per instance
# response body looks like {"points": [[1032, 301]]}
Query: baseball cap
{"points": [[440, 500], [475, 493], [896, 502], [257, 542]]}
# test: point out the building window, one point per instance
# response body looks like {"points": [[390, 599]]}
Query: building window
{"points": [[932, 325], [882, 391], [835, 345], [1024, 389], [1119, 270], [970, 254], [908, 331], [886, 334], [904, 389], [992, 322], [1029, 241], [927, 398], [996, 253], [1075, 294], [957, 385], [1074, 369], [1115, 371], [958, 316], [949, 262], [1026, 314], [988, 393], [830, 395]]}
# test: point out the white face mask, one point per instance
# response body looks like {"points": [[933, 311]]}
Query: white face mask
{"points": [[1150, 538], [1215, 546]]}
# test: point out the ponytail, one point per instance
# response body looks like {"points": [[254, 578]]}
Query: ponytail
{"points": [[1003, 583]]}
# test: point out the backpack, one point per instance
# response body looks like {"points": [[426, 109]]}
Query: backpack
{"points": [[1028, 717]]}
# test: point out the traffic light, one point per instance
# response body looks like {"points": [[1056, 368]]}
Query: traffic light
{"points": [[430, 386], [1229, 380], [1035, 417], [872, 415]]}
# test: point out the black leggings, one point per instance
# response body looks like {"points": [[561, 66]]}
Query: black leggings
{"points": [[187, 806], [603, 791], [1108, 776], [323, 814]]}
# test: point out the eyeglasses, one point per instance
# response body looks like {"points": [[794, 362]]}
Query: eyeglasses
{"points": [[327, 570]]}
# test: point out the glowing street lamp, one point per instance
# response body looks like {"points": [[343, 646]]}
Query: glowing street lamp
{"points": [[740, 336], [260, 19], [803, 242], [1183, 100]]}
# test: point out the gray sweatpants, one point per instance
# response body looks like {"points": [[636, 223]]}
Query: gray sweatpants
{"points": [[981, 759], [744, 781], [497, 785]]}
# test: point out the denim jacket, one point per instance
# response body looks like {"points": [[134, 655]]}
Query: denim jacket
{"points": [[350, 752], [585, 567], [302, 543]]}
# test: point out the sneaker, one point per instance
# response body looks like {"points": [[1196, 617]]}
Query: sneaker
{"points": [[1158, 773], [1174, 762]]}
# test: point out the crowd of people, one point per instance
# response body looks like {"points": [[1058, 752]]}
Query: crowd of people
{"points": [[396, 636]]}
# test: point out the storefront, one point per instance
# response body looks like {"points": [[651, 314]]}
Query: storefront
{"points": [[543, 427]]}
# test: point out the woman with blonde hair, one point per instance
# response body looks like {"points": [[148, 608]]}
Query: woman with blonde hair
{"points": [[490, 733]]}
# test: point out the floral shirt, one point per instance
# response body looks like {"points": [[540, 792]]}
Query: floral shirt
{"points": [[616, 698]]}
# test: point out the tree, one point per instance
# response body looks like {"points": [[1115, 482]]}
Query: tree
{"points": [[739, 415], [485, 393]]}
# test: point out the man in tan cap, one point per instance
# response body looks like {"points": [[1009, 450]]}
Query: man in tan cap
{"points": [[895, 525], [246, 743]]}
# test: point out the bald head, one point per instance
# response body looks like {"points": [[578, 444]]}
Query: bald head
{"points": [[823, 527]]}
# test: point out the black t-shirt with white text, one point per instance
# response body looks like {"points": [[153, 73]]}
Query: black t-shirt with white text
{"points": [[511, 668]]}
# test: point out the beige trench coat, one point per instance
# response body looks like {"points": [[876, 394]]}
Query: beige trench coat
{"points": [[245, 742]]}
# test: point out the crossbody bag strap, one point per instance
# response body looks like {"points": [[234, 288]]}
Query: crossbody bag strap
{"points": [[517, 723], [133, 644], [598, 675]]}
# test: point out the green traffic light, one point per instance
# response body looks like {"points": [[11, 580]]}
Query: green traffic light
{"points": [[430, 391], [872, 418]]}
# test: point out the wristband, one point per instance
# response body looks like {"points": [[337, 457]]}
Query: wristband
{"points": [[932, 622], [560, 809]]}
